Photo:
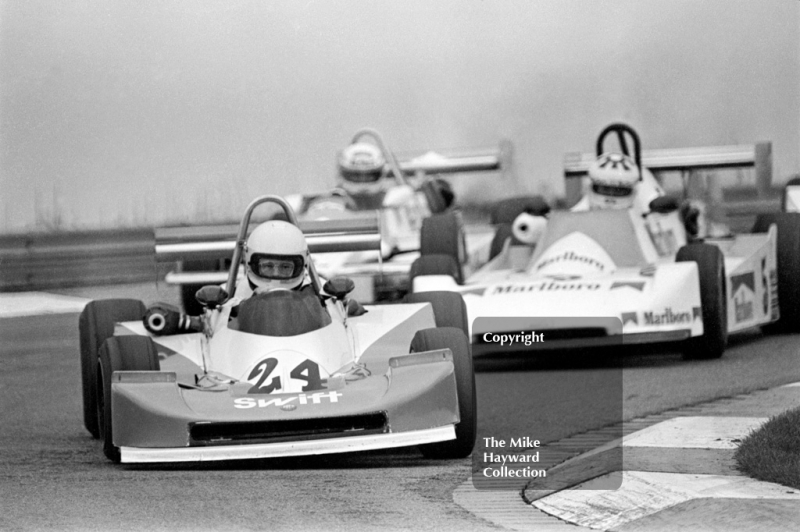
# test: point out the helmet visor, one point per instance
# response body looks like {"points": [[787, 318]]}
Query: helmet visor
{"points": [[280, 267], [361, 177], [616, 191]]}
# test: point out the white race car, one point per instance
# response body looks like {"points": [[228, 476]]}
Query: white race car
{"points": [[637, 269], [408, 197]]}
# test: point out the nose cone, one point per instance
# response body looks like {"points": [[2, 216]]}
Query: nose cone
{"points": [[575, 254]]}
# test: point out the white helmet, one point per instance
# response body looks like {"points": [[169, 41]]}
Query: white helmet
{"points": [[614, 177], [275, 256], [361, 168]]}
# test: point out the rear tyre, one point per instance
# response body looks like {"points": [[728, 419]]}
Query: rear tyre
{"points": [[95, 325], [449, 309], [506, 211], [788, 224], [119, 353], [443, 234], [466, 429], [713, 301]]}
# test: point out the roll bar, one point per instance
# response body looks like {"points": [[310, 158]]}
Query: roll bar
{"points": [[620, 129], [391, 160], [241, 235]]}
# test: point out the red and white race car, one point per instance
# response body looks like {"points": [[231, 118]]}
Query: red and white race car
{"points": [[635, 267], [294, 372]]}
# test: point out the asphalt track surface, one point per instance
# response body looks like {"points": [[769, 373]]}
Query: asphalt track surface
{"points": [[55, 477]]}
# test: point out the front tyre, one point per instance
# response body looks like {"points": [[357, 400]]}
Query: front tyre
{"points": [[467, 428], [443, 234], [449, 309], [713, 300], [95, 325], [119, 353]]}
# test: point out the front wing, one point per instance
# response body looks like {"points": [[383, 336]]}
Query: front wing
{"points": [[155, 419], [653, 304]]}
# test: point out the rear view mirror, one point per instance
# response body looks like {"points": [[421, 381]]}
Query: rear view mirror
{"points": [[211, 296], [339, 287]]}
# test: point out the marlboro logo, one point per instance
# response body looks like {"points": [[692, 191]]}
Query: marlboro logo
{"points": [[667, 317], [571, 256], [743, 279], [629, 317]]}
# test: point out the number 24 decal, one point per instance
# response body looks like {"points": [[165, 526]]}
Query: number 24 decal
{"points": [[307, 371]]}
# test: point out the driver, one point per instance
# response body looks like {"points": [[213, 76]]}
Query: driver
{"points": [[617, 183], [276, 254], [361, 169], [362, 172], [276, 257]]}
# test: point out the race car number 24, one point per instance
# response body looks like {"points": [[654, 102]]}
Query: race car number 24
{"points": [[307, 371]]}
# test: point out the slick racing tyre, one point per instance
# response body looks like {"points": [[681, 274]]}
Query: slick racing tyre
{"points": [[449, 309], [466, 429], [788, 224], [119, 353], [188, 291], [506, 211], [96, 324], [443, 234], [503, 233], [433, 265], [713, 300]]}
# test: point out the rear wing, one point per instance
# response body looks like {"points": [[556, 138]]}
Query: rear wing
{"points": [[420, 164], [217, 242], [757, 156], [493, 159]]}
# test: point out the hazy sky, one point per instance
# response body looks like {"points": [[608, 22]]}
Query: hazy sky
{"points": [[138, 113]]}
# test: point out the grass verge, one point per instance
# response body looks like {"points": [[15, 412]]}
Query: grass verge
{"points": [[772, 453]]}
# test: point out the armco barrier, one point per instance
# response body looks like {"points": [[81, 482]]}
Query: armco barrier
{"points": [[59, 260], [41, 261]]}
